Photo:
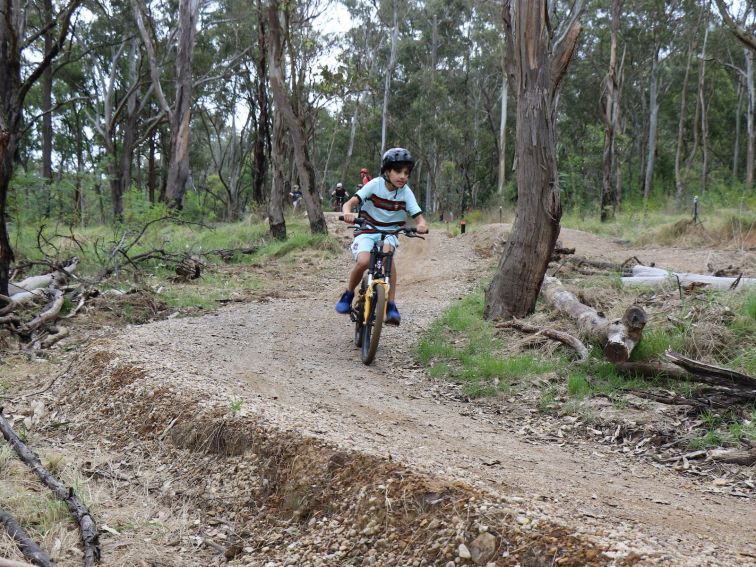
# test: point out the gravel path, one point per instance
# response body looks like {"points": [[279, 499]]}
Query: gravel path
{"points": [[292, 361]]}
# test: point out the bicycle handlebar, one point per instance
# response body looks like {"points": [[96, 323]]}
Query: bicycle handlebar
{"points": [[359, 223]]}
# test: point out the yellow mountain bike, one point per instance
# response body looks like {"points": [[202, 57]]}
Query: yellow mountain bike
{"points": [[370, 301]]}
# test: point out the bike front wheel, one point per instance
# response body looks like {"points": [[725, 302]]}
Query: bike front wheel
{"points": [[371, 332]]}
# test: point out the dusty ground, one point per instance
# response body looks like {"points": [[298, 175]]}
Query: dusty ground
{"points": [[255, 431]]}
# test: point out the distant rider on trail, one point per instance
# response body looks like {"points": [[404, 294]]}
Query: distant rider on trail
{"points": [[338, 197]]}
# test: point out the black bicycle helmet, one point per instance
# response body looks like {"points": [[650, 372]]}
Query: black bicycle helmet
{"points": [[397, 156]]}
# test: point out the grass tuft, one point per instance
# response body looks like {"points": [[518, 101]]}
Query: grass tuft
{"points": [[464, 348]]}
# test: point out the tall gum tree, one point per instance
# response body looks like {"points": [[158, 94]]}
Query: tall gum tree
{"points": [[293, 120], [538, 59], [15, 37]]}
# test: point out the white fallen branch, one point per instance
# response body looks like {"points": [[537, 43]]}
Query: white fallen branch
{"points": [[49, 314], [26, 288], [648, 276]]}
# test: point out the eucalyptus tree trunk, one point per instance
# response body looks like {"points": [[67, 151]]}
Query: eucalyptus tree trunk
{"points": [[430, 186], [611, 112], [262, 138], [503, 131], [653, 123], [178, 169], [13, 91], [538, 68], [278, 195], [130, 124], [389, 73], [679, 180], [702, 103], [294, 123], [736, 142], [750, 126], [47, 128]]}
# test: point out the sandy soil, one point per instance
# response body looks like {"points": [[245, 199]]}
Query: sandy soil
{"points": [[291, 361]]}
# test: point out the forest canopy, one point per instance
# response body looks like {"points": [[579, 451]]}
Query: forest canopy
{"points": [[170, 102]]}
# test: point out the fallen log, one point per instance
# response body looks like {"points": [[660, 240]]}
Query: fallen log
{"points": [[728, 386], [562, 337], [87, 526], [714, 375], [745, 457], [49, 314], [649, 276], [617, 337], [27, 286], [25, 543]]}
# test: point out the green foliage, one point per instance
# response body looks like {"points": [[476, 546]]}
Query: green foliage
{"points": [[655, 342], [725, 430], [462, 347]]}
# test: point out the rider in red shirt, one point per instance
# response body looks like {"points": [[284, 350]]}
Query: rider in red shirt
{"points": [[365, 176]]}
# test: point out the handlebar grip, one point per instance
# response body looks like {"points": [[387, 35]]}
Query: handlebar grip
{"points": [[341, 217]]}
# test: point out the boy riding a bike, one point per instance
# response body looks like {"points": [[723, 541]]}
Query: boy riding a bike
{"points": [[385, 202]]}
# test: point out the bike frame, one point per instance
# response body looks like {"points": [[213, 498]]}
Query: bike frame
{"points": [[380, 260]]}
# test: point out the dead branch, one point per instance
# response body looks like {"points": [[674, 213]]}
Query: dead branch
{"points": [[25, 543], [55, 334], [10, 305], [745, 457], [714, 375], [11, 563], [562, 337], [618, 337], [649, 276], [49, 314], [87, 526], [726, 388]]}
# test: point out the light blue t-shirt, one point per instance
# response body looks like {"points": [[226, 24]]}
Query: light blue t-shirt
{"points": [[385, 208]]}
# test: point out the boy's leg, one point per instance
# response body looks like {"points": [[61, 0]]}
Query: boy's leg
{"points": [[362, 263], [344, 304]]}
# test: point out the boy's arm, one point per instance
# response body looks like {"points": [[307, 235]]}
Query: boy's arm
{"points": [[346, 209], [422, 228]]}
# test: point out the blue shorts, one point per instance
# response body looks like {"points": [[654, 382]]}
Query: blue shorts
{"points": [[364, 243]]}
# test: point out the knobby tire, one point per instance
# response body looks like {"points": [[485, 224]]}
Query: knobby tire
{"points": [[371, 333]]}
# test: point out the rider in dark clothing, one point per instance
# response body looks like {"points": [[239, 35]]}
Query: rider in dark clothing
{"points": [[339, 196]]}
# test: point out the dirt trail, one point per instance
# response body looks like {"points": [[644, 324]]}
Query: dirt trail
{"points": [[292, 362]]}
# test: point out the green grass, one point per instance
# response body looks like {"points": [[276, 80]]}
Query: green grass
{"points": [[725, 430], [462, 347], [655, 342]]}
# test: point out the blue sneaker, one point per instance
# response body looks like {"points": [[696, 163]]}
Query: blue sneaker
{"points": [[392, 314], [345, 303]]}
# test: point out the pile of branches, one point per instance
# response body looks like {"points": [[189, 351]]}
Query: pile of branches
{"points": [[32, 309]]}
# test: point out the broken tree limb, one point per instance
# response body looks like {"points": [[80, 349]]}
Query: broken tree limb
{"points": [[728, 386], [11, 563], [25, 543], [56, 277], [49, 314], [618, 337], [87, 526], [562, 337], [649, 276], [745, 457], [55, 334], [715, 375]]}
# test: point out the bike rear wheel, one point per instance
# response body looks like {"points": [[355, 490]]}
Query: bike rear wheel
{"points": [[371, 332]]}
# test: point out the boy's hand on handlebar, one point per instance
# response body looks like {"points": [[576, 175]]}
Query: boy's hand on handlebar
{"points": [[348, 217], [422, 229]]}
